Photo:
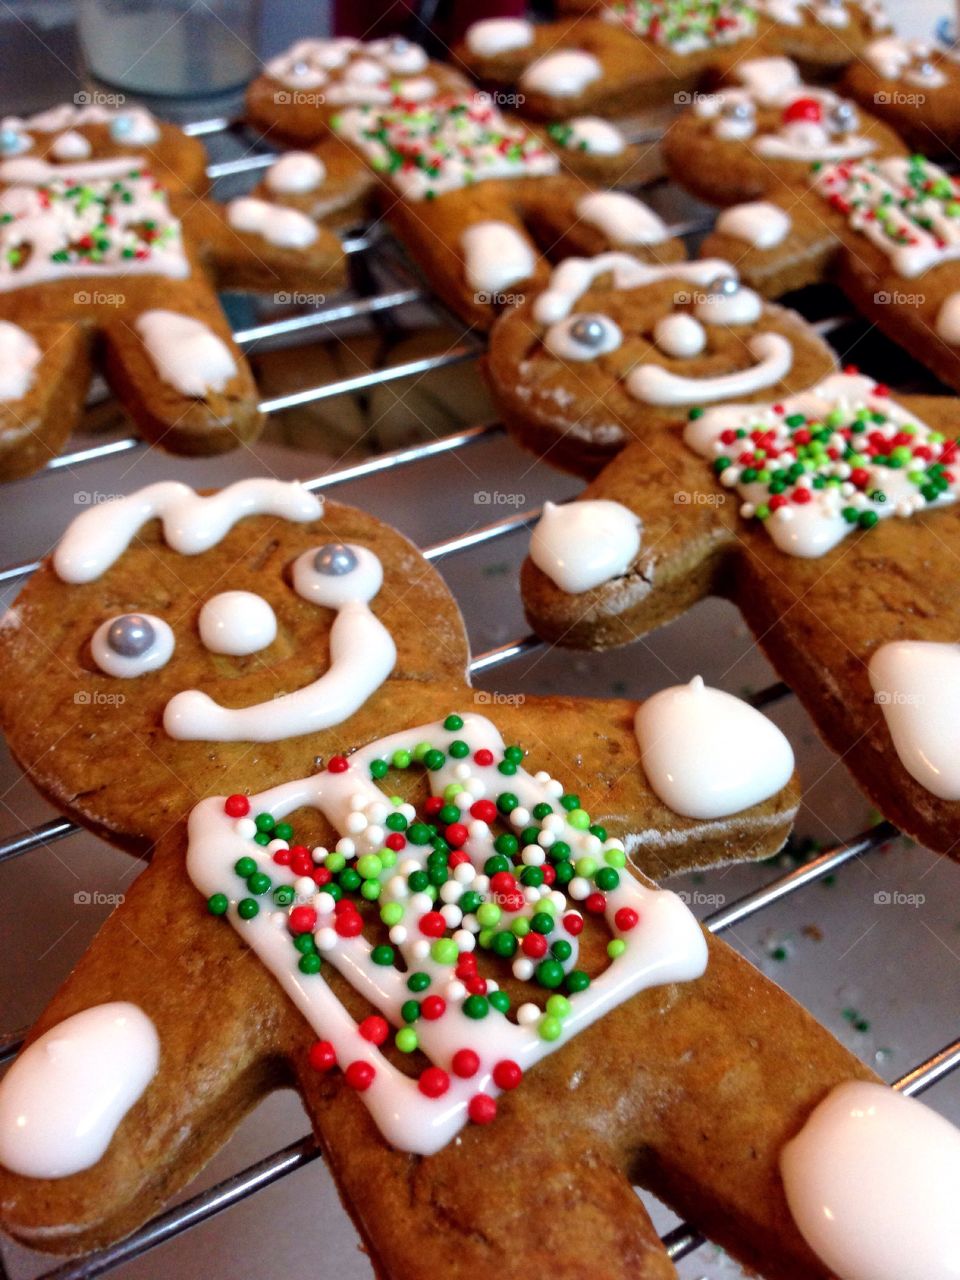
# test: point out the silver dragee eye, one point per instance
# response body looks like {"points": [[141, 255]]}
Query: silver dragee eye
{"points": [[336, 573], [132, 644], [727, 302], [583, 337]]}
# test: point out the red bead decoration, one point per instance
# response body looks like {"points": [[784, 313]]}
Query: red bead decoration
{"points": [[483, 810], [534, 945], [322, 1055], [482, 1109], [282, 857], [466, 965], [432, 806], [503, 882], [457, 859], [573, 923], [483, 756], [321, 876], [626, 919], [549, 873], [433, 1007], [360, 1075], [596, 904], [302, 920], [348, 924], [338, 764], [465, 1063], [396, 841], [476, 985], [803, 109], [507, 1074], [432, 924], [434, 1082], [375, 1029], [456, 835], [236, 806]]}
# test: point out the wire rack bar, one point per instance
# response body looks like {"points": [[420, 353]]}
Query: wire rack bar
{"points": [[203, 128], [487, 532], [295, 325], [46, 834], [242, 164]]}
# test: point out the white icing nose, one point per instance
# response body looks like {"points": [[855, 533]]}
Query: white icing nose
{"points": [[680, 336]]}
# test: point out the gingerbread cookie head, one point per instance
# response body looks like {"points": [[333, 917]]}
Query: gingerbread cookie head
{"points": [[299, 91], [825, 35], [913, 88], [109, 249], [825, 516], [764, 133], [614, 348]]}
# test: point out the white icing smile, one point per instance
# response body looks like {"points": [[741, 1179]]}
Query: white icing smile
{"points": [[652, 384]]}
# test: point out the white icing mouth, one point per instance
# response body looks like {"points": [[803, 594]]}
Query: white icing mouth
{"points": [[652, 384]]}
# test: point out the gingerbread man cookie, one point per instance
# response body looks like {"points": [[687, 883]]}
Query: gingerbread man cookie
{"points": [[914, 89], [614, 347], [828, 517], [413, 926], [474, 195], [110, 248]]}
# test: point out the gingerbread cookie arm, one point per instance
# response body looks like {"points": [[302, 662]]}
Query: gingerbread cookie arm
{"points": [[44, 374], [178, 372], [329, 183]]}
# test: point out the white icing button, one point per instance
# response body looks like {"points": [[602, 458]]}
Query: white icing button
{"points": [[581, 545], [917, 685], [768, 79], [563, 74], [759, 223], [680, 335], [286, 228], [871, 1181], [492, 36], [496, 256], [707, 754], [185, 353], [622, 218], [71, 146], [19, 357], [595, 136], [295, 173], [237, 623], [63, 1098], [948, 320]]}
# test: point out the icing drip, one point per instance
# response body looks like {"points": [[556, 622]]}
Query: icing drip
{"points": [[493, 36], [237, 623], [459, 1020], [288, 228], [871, 1181], [445, 145], [496, 256], [101, 228], [575, 276], [652, 384], [685, 26], [759, 224], [295, 173], [707, 754], [916, 684], [362, 655], [906, 206], [19, 357], [589, 134], [64, 1097], [186, 354], [840, 456], [192, 524], [582, 545], [622, 218], [564, 74]]}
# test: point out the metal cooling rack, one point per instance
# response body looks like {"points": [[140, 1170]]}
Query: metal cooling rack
{"points": [[682, 1240]]}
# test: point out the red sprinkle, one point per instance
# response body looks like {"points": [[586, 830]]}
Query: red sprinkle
{"points": [[626, 919], [456, 835], [483, 756], [476, 985], [434, 1082], [801, 495], [339, 764], [433, 1007], [282, 857], [321, 876], [375, 1029], [433, 806], [534, 945], [396, 841], [302, 920], [433, 924], [465, 1063], [322, 1056], [466, 965], [349, 924], [482, 1108], [596, 904], [360, 1075], [483, 810], [457, 859], [236, 806], [507, 1074], [573, 923]]}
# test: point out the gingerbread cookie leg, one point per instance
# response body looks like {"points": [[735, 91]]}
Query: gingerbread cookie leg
{"points": [[44, 375]]}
